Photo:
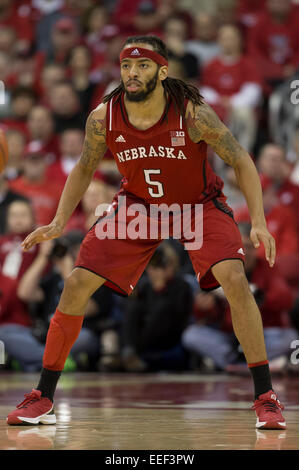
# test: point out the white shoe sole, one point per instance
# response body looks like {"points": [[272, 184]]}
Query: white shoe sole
{"points": [[46, 418], [270, 425]]}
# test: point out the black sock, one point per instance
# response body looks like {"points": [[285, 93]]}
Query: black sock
{"points": [[48, 382], [261, 378]]}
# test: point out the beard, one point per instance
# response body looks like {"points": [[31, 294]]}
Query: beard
{"points": [[142, 95]]}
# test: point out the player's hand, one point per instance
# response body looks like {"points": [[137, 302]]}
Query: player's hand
{"points": [[261, 234], [41, 234]]}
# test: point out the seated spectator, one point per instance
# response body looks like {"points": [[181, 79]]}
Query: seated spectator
{"points": [[156, 316], [231, 84], [65, 105], [272, 164], [204, 44], [16, 328], [80, 65], [65, 36], [105, 72], [71, 143], [212, 334], [22, 101], [34, 184], [94, 22], [175, 34], [7, 40], [7, 196], [274, 41], [19, 223], [281, 221], [48, 77], [16, 142], [40, 125], [11, 15]]}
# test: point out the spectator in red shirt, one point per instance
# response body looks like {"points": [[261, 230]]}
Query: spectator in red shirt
{"points": [[272, 164], [281, 221], [71, 142], [19, 223], [231, 84], [212, 335], [274, 41], [34, 184], [249, 12], [40, 125]]}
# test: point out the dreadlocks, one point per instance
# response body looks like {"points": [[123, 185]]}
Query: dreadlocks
{"points": [[177, 89]]}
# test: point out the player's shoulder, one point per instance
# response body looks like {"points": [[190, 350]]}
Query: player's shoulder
{"points": [[194, 109], [99, 112], [96, 123]]}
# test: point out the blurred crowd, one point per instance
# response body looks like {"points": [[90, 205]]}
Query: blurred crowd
{"points": [[58, 58]]}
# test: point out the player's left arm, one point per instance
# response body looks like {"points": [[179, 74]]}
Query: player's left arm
{"points": [[204, 124]]}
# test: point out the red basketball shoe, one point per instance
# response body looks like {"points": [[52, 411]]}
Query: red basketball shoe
{"points": [[34, 409], [267, 408]]}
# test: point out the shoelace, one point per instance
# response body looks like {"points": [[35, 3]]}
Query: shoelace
{"points": [[270, 405], [29, 398]]}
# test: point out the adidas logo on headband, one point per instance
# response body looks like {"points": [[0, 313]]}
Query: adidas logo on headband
{"points": [[135, 52]]}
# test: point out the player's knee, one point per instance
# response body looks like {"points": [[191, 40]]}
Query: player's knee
{"points": [[75, 283], [235, 282]]}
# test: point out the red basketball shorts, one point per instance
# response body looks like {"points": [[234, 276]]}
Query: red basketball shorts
{"points": [[121, 258]]}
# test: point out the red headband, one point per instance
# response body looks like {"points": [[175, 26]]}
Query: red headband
{"points": [[140, 52]]}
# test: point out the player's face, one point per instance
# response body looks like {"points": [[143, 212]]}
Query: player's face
{"points": [[139, 78]]}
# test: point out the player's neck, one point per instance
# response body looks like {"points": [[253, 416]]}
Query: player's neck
{"points": [[146, 113]]}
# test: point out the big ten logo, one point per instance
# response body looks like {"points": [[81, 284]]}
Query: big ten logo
{"points": [[295, 94], [2, 353], [295, 354], [2, 93]]}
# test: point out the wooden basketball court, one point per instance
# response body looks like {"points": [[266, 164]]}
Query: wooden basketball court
{"points": [[157, 412]]}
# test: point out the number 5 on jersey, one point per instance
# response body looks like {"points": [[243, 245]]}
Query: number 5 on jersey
{"points": [[157, 190]]}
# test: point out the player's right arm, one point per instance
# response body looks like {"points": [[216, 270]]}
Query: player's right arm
{"points": [[94, 148]]}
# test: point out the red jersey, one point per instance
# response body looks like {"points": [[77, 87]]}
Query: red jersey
{"points": [[160, 164], [227, 78], [12, 309], [44, 197]]}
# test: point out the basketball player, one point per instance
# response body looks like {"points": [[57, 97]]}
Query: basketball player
{"points": [[158, 129]]}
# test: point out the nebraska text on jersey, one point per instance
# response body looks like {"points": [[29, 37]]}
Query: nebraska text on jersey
{"points": [[143, 152]]}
